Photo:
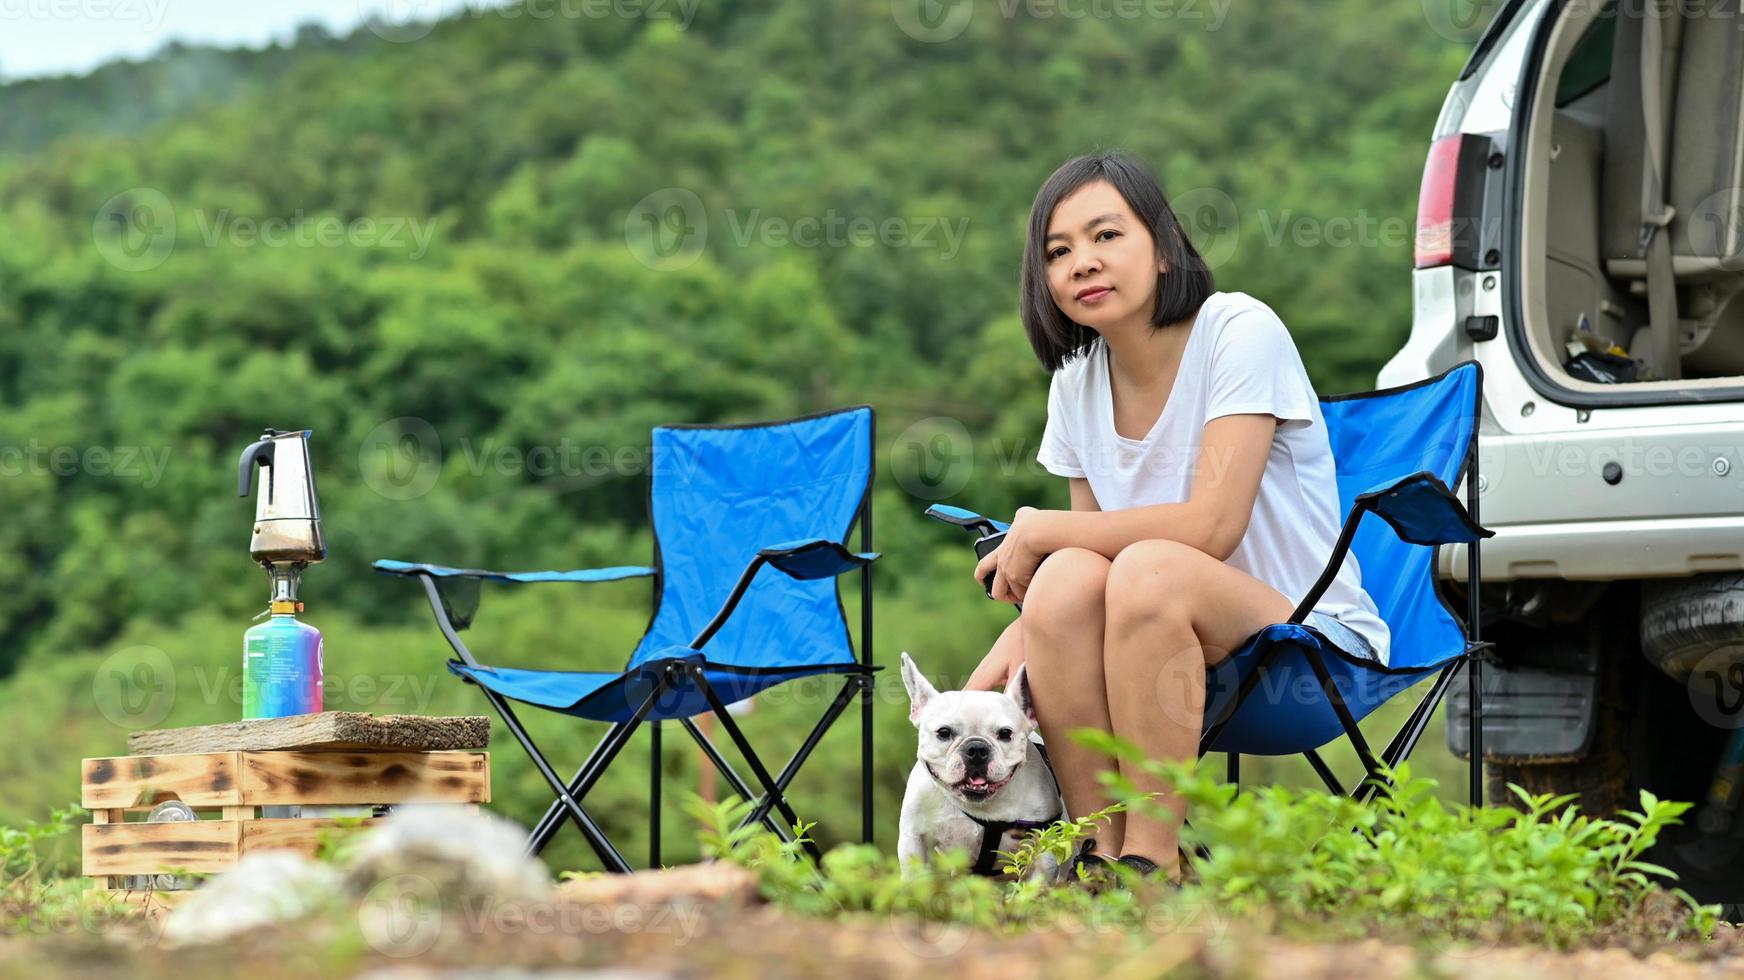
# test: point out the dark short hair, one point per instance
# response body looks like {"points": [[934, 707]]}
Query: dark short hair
{"points": [[1180, 291]]}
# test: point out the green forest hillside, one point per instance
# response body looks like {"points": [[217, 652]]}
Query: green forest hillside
{"points": [[481, 261]]}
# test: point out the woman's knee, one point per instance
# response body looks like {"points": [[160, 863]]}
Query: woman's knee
{"points": [[1066, 593], [1150, 580]]}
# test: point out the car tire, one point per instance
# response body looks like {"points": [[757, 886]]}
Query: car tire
{"points": [[1693, 622]]}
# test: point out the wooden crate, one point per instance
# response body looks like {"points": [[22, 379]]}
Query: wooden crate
{"points": [[231, 786]]}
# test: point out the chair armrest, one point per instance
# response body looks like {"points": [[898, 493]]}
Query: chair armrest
{"points": [[815, 558], [1419, 508], [612, 574], [811, 559], [966, 519], [990, 534], [1422, 510]]}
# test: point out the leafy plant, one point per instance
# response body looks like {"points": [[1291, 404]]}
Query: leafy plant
{"points": [[1411, 862], [1058, 840], [28, 896], [18, 845], [856, 878], [1405, 863]]}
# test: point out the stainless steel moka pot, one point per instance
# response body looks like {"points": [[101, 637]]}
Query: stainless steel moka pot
{"points": [[287, 518]]}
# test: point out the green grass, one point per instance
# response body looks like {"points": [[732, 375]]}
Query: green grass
{"points": [[1409, 867]]}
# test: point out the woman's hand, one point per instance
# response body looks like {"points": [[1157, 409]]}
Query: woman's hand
{"points": [[1001, 661], [1014, 562], [995, 669]]}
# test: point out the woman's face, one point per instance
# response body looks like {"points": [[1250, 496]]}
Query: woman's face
{"points": [[1101, 261]]}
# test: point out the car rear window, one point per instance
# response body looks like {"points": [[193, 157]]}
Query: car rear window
{"points": [[1589, 66]]}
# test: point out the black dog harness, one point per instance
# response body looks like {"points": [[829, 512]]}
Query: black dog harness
{"points": [[993, 831]]}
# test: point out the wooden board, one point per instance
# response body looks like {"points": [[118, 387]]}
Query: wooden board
{"points": [[364, 777], [236, 779], [197, 846], [325, 731], [134, 782]]}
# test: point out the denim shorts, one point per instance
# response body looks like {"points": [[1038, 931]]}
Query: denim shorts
{"points": [[1342, 636]]}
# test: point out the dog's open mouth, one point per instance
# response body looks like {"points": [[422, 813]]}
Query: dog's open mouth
{"points": [[975, 789]]}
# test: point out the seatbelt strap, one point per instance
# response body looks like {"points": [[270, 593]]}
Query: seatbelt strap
{"points": [[1656, 215]]}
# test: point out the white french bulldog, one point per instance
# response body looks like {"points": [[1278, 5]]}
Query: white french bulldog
{"points": [[978, 774]]}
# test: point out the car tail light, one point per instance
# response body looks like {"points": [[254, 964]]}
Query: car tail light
{"points": [[1435, 215]]}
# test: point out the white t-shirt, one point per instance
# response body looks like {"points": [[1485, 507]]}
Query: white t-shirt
{"points": [[1239, 359]]}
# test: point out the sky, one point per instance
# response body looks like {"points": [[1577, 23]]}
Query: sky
{"points": [[53, 37]]}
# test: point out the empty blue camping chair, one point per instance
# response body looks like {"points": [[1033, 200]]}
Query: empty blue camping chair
{"points": [[1397, 452], [750, 527]]}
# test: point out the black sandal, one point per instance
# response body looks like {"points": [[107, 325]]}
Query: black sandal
{"points": [[1089, 868], [1147, 870]]}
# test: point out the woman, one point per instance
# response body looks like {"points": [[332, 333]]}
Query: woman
{"points": [[1202, 487]]}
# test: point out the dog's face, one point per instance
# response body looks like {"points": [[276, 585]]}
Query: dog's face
{"points": [[971, 741]]}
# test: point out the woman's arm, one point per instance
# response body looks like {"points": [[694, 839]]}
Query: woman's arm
{"points": [[1214, 518], [1083, 498], [1006, 654]]}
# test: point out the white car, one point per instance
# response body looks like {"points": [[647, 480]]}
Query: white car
{"points": [[1581, 235]]}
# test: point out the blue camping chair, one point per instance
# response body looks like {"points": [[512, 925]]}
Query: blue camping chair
{"points": [[1397, 451], [724, 501]]}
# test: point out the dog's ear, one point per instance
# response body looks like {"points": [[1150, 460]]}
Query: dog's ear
{"points": [[1017, 689], [920, 691]]}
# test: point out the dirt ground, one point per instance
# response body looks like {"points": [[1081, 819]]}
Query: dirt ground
{"points": [[710, 923]]}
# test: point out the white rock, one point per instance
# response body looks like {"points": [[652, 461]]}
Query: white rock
{"points": [[264, 887], [459, 852]]}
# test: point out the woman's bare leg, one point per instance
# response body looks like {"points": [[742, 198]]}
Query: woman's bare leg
{"points": [[1172, 611], [1062, 644]]}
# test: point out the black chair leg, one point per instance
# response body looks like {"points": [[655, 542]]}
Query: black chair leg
{"points": [[654, 795], [583, 781], [1475, 721], [572, 808], [1335, 697], [733, 778], [615, 740], [866, 760], [1325, 772], [752, 759], [804, 752]]}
